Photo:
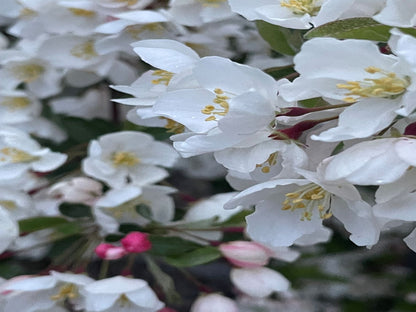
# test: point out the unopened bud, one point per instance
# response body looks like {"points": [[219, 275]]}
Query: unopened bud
{"points": [[246, 254], [110, 252], [136, 242]]}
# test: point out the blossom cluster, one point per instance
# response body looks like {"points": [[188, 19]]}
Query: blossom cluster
{"points": [[315, 126]]}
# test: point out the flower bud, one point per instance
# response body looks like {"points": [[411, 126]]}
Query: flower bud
{"points": [[214, 302], [246, 254], [136, 242], [110, 252], [77, 190]]}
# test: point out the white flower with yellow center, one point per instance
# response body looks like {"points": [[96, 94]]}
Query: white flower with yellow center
{"points": [[19, 153], [291, 211], [302, 14], [198, 12], [122, 157], [128, 27], [18, 106], [222, 104], [378, 87], [50, 292], [120, 294], [38, 75]]}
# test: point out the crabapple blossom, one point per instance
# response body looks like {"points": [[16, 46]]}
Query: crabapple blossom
{"points": [[128, 156], [258, 282], [121, 294], [302, 14], [246, 254]]}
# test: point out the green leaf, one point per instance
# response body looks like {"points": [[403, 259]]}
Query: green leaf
{"points": [[144, 210], [195, 257], [170, 246], [129, 227], [239, 219], [197, 225], [277, 37], [280, 72], [112, 238], [352, 28], [164, 281], [40, 223], [75, 210], [315, 102], [80, 130], [338, 149], [10, 268]]}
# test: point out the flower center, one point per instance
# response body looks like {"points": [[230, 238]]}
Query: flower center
{"points": [[84, 50], [388, 85], [173, 126], [28, 72], [211, 3], [128, 2], [8, 204], [15, 155], [81, 12], [15, 103], [124, 159], [270, 162], [164, 77], [308, 198], [26, 12], [67, 291], [136, 30], [301, 7], [213, 110]]}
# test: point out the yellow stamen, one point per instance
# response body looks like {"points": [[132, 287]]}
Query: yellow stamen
{"points": [[68, 291], [211, 3], [128, 2], [164, 75], [136, 30], [81, 12], [8, 204], [301, 7], [84, 50], [308, 198], [212, 110], [15, 103], [28, 72], [173, 126], [270, 162], [387, 86], [124, 159], [16, 156]]}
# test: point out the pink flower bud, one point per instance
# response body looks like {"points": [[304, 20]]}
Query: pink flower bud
{"points": [[214, 302], [246, 254], [110, 252], [167, 310], [136, 242]]}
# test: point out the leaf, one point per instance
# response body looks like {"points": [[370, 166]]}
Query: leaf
{"points": [[80, 130], [280, 72], [239, 219], [195, 257], [170, 246], [164, 281], [129, 227], [40, 223], [75, 210], [352, 28], [338, 149], [112, 238], [144, 210], [276, 36], [197, 225], [314, 102]]}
